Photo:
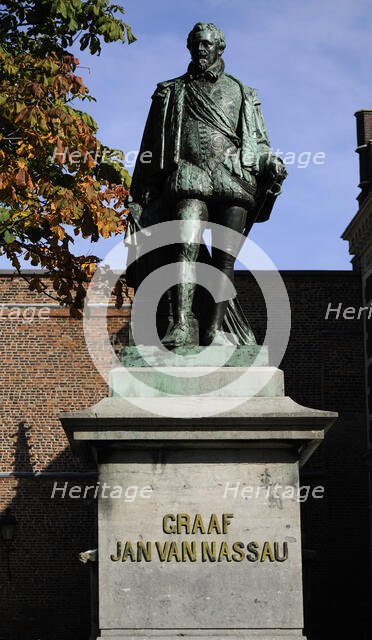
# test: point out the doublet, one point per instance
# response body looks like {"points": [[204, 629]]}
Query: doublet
{"points": [[209, 166], [202, 144]]}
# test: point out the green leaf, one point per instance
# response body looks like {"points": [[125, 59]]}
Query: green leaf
{"points": [[20, 106], [8, 237], [113, 172], [95, 45], [4, 214], [130, 35], [89, 120], [59, 7], [95, 9], [84, 41], [73, 25]]}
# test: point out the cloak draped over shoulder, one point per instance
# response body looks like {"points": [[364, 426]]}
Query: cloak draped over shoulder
{"points": [[162, 136]]}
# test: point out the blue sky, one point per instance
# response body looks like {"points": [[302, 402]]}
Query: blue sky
{"points": [[310, 63]]}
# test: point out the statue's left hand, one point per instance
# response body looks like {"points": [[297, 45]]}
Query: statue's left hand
{"points": [[272, 167]]}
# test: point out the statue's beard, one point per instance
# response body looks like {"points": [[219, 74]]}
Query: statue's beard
{"points": [[202, 64]]}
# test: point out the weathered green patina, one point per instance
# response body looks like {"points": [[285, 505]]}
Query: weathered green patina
{"points": [[206, 157]]}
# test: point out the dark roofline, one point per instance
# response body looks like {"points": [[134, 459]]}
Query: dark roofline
{"points": [[303, 273], [325, 273]]}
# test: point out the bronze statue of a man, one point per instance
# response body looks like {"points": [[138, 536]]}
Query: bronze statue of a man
{"points": [[205, 156]]}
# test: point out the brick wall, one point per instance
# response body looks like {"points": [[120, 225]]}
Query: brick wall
{"points": [[324, 369], [46, 370]]}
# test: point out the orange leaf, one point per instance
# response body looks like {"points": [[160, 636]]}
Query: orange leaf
{"points": [[21, 178], [90, 162], [89, 267]]}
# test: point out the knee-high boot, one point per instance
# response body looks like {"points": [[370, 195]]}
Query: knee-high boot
{"points": [[213, 330], [183, 331]]}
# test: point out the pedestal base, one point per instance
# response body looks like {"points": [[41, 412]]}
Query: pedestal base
{"points": [[213, 550], [231, 356], [210, 634], [222, 382]]}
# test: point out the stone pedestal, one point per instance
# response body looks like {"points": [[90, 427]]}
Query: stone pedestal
{"points": [[211, 545]]}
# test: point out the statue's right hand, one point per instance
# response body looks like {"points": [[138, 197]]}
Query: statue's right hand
{"points": [[135, 211]]}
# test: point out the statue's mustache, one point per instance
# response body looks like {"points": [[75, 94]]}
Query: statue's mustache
{"points": [[202, 59]]}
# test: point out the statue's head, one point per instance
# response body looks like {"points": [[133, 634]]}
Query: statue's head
{"points": [[206, 43]]}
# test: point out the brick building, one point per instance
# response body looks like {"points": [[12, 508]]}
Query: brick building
{"points": [[47, 370]]}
